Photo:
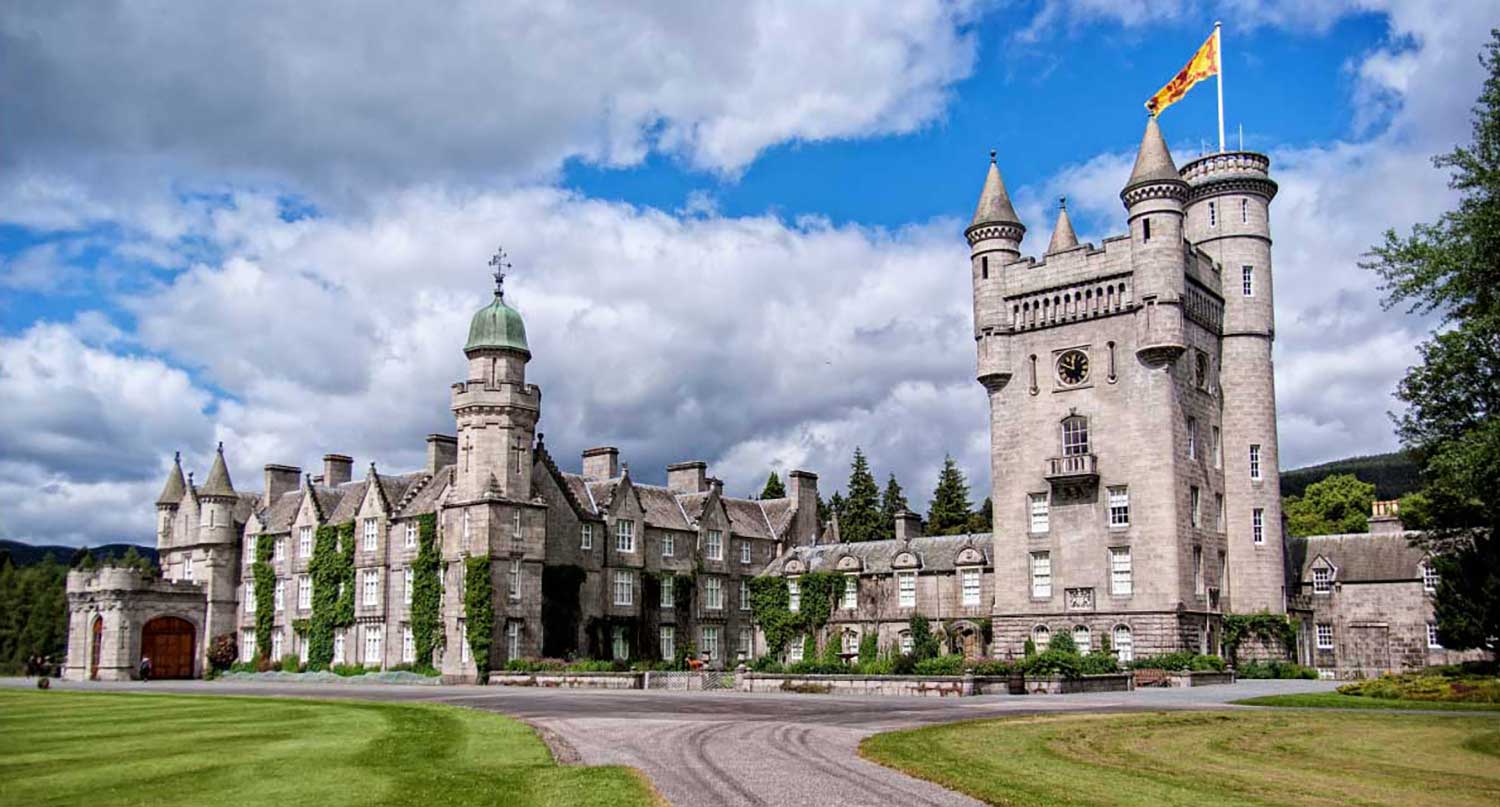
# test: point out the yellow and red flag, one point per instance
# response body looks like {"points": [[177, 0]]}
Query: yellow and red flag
{"points": [[1204, 64]]}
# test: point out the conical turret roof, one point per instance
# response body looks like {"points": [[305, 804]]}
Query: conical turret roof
{"points": [[994, 203], [218, 483], [1063, 237], [171, 492], [1153, 163]]}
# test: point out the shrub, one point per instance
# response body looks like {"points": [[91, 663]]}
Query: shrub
{"points": [[1274, 669], [223, 652], [765, 664], [1029, 649], [1062, 642], [243, 667], [923, 644], [1180, 661], [869, 648], [994, 667], [881, 665], [349, 670], [291, 662], [1425, 686], [903, 664], [951, 664], [1098, 662], [1052, 663]]}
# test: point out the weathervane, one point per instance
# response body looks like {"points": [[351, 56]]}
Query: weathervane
{"points": [[498, 260]]}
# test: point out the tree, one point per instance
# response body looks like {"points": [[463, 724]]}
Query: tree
{"points": [[983, 519], [950, 509], [1451, 424], [859, 520], [773, 489], [892, 503], [1333, 505]]}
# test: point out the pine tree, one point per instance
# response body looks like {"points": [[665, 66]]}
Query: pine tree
{"points": [[860, 519], [983, 519], [773, 489], [950, 509], [892, 503]]}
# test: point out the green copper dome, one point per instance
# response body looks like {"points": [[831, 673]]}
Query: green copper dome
{"points": [[497, 326]]}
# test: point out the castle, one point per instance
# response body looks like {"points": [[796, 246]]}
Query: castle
{"points": [[1134, 468]]}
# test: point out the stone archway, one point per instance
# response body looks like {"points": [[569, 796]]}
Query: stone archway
{"points": [[169, 642], [96, 646]]}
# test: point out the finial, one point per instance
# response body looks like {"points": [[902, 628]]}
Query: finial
{"points": [[190, 478], [1062, 202], [177, 457], [220, 449], [992, 155], [540, 438], [498, 260]]}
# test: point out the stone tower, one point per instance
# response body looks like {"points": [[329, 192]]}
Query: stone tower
{"points": [[1228, 218], [495, 408]]}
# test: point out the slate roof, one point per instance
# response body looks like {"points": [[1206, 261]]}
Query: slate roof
{"points": [[994, 203], [282, 512], [349, 496], [746, 518], [218, 483], [175, 487], [1153, 163], [662, 509], [425, 498], [1360, 557], [579, 487], [935, 552], [244, 505], [779, 512]]}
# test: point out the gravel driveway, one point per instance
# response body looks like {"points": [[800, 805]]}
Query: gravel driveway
{"points": [[727, 748]]}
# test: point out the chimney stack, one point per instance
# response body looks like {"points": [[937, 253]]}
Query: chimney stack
{"points": [[601, 463], [279, 480], [1385, 517], [803, 490], [687, 477], [442, 450], [337, 469], [908, 525]]}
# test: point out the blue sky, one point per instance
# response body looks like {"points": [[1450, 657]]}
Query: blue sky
{"points": [[737, 230]]}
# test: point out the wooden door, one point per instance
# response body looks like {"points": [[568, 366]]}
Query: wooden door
{"points": [[168, 642], [96, 644]]}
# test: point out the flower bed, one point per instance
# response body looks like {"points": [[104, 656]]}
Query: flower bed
{"points": [[1425, 686]]}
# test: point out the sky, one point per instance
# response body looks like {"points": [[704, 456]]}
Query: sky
{"points": [[736, 229]]}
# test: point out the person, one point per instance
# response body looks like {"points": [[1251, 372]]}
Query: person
{"points": [[145, 668]]}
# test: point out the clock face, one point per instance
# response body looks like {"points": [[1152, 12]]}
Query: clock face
{"points": [[1073, 367]]}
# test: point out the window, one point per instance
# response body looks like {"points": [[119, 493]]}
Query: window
{"points": [[1195, 499], [970, 582], [1255, 461], [1258, 525], [744, 594], [1244, 211], [512, 639], [1322, 580], [338, 647], [304, 541], [1120, 583], [1429, 578], [1039, 513], [249, 597], [467, 524], [371, 587], [624, 589], [715, 545], [850, 644], [984, 268], [668, 638], [850, 600], [793, 595], [1192, 438], [278, 553], [904, 642], [1075, 436], [906, 589], [304, 593], [1041, 575], [624, 535], [280, 594], [374, 645], [745, 638], [1198, 570], [711, 642], [1219, 512], [408, 645], [370, 535], [1041, 635], [586, 536], [407, 579], [744, 551], [668, 544], [515, 524], [1081, 638], [1119, 506], [1325, 636], [1213, 215], [515, 580], [794, 649], [411, 535], [187, 569], [713, 594], [247, 644], [1432, 636], [1124, 644], [620, 646], [250, 547], [1217, 448], [1145, 229], [461, 627], [668, 591], [1247, 280], [276, 644]]}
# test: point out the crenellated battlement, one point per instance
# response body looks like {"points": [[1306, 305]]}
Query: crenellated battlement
{"points": [[1073, 302], [1229, 172]]}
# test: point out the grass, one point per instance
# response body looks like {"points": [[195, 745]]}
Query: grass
{"points": [[1333, 700], [100, 749], [1189, 759]]}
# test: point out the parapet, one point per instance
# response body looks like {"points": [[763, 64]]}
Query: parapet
{"points": [[1245, 171]]}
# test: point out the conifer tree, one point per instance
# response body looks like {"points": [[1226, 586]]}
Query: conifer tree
{"points": [[860, 518], [983, 519], [950, 509], [773, 489], [892, 503]]}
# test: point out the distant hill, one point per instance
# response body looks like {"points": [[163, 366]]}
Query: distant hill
{"points": [[27, 554], [1394, 474]]}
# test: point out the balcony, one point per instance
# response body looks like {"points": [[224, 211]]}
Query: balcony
{"points": [[1073, 468]]}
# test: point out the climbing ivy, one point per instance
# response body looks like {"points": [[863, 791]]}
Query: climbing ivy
{"points": [[343, 613], [265, 594], [769, 602], [1265, 626], [332, 571], [426, 591], [479, 611]]}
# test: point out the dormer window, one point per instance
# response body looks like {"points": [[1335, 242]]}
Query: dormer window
{"points": [[1322, 580], [1429, 578]]}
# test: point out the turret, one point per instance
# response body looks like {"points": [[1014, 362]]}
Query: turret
{"points": [[994, 238], [217, 499], [169, 500], [1154, 197], [1063, 237]]}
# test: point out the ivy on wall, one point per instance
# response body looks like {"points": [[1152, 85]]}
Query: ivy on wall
{"points": [[479, 611], [770, 602], [265, 594], [1269, 628], [426, 590], [332, 571]]}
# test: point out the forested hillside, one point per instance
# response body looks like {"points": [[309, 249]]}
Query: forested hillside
{"points": [[1393, 475]]}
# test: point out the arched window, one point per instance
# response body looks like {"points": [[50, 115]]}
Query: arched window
{"points": [[1075, 435], [1041, 635], [1124, 644], [1081, 638]]}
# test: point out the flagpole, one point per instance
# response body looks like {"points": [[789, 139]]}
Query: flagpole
{"points": [[1219, 52]]}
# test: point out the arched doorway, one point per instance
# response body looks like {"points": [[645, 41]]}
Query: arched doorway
{"points": [[96, 643], [168, 642]]}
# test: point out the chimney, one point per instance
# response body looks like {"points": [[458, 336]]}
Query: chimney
{"points": [[908, 525], [279, 480], [717, 484], [601, 463], [687, 477], [803, 490], [337, 469], [1385, 517], [442, 450]]}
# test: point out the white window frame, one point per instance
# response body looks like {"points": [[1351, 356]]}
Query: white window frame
{"points": [[1258, 525], [370, 588], [624, 535], [513, 638], [794, 650], [374, 645], [1119, 507], [1324, 632], [849, 599], [619, 645], [1041, 575], [1322, 580], [667, 638], [462, 628], [713, 593], [1121, 575], [744, 552], [1217, 448], [793, 594], [1195, 505], [669, 591], [1124, 639], [408, 645], [515, 580], [276, 644], [247, 644], [1247, 281], [713, 545], [1083, 638], [278, 553], [280, 594], [408, 579], [586, 535], [304, 542], [1192, 438], [624, 588], [339, 648], [304, 593], [1040, 511], [1075, 436], [1432, 637], [668, 544], [747, 639], [904, 642], [970, 587], [515, 523], [411, 535], [1255, 461], [906, 589], [710, 635], [744, 594], [468, 525], [371, 535], [1430, 578], [249, 596]]}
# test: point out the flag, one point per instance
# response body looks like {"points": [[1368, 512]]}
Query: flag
{"points": [[1204, 64]]}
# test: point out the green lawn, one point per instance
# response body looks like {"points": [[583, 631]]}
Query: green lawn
{"points": [[1193, 759], [1333, 700], [98, 749]]}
